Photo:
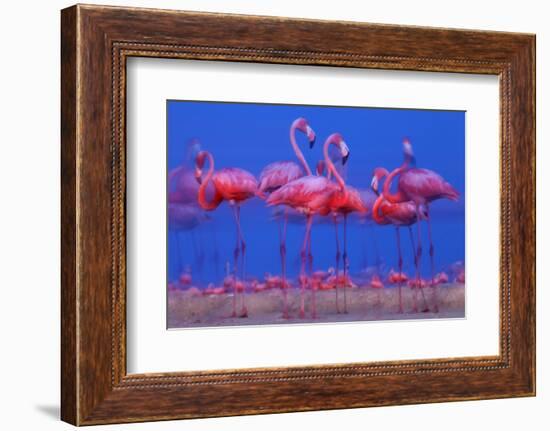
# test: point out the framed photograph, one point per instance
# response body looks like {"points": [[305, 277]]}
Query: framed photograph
{"points": [[280, 207]]}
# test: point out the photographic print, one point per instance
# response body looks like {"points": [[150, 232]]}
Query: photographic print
{"points": [[286, 214]]}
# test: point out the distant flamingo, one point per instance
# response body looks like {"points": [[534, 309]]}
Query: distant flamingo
{"points": [[310, 195], [235, 186], [182, 188], [441, 278], [402, 214], [183, 207], [277, 174], [421, 186], [184, 218]]}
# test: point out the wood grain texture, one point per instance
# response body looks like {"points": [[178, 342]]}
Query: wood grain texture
{"points": [[96, 41]]}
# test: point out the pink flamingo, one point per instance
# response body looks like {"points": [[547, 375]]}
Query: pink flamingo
{"points": [[235, 186], [344, 204], [277, 174], [184, 213], [310, 195], [421, 186], [402, 214]]}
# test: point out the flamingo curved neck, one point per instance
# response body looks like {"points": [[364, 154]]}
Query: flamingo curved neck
{"points": [[397, 197], [297, 150], [375, 214], [330, 166], [203, 201]]}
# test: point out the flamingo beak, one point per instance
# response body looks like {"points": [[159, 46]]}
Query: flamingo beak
{"points": [[310, 136], [345, 152], [345, 159], [374, 184]]}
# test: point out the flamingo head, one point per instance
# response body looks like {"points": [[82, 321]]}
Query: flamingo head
{"points": [[338, 140], [408, 151], [378, 175], [199, 164], [303, 126]]}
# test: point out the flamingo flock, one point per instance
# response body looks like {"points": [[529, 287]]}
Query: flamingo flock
{"points": [[293, 189]]}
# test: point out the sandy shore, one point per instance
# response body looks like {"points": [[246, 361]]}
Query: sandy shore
{"points": [[186, 309]]}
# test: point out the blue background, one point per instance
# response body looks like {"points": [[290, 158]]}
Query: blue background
{"points": [[250, 136]]}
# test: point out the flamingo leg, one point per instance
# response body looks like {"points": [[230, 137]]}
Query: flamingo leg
{"points": [[303, 255], [432, 264], [312, 285], [337, 266], [345, 262], [201, 253], [179, 267], [377, 260], [244, 311], [364, 261], [283, 263], [400, 267], [236, 251], [419, 258], [216, 257], [415, 299]]}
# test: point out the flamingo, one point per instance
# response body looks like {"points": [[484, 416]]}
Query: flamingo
{"points": [[235, 186], [310, 195], [182, 188], [277, 174], [343, 204], [183, 210], [186, 218], [421, 186], [402, 214]]}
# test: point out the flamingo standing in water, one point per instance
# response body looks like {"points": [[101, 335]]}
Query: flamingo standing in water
{"points": [[184, 213], [311, 195], [235, 186], [403, 214], [277, 174], [420, 186], [343, 204]]}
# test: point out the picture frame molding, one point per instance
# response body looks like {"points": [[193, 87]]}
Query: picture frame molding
{"points": [[96, 41]]}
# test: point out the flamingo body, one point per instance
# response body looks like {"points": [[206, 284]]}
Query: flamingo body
{"points": [[277, 174], [347, 202], [182, 187], [308, 195], [234, 184], [185, 216], [423, 186], [400, 214]]}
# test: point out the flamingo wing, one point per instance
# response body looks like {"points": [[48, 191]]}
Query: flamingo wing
{"points": [[424, 185], [401, 214], [278, 174], [235, 184], [182, 186], [307, 193], [354, 201]]}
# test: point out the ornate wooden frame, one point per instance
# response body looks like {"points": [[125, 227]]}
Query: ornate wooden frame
{"points": [[95, 43]]}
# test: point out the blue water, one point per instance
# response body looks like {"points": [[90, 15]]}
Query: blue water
{"points": [[250, 136]]}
